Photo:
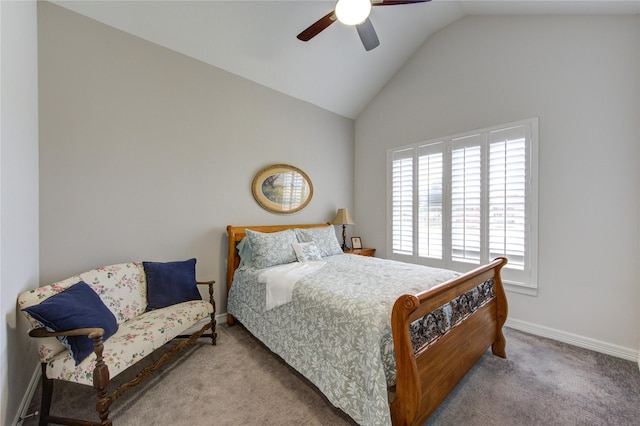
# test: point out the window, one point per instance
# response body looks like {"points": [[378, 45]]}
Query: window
{"points": [[463, 200]]}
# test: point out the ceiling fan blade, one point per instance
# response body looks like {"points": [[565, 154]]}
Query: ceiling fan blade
{"points": [[317, 26], [368, 35], [395, 2]]}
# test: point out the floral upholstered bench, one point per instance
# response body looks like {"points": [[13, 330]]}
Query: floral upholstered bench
{"points": [[93, 326]]}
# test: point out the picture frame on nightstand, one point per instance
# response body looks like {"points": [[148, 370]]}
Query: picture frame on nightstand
{"points": [[356, 243]]}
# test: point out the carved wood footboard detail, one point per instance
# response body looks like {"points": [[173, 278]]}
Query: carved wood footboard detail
{"points": [[437, 323], [429, 367]]}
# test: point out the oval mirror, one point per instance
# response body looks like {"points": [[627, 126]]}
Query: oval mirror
{"points": [[281, 188]]}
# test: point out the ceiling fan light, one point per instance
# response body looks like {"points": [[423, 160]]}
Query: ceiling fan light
{"points": [[353, 12]]}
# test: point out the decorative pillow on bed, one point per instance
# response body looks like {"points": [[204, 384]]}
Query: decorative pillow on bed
{"points": [[76, 307], [306, 252], [272, 248], [170, 283], [244, 251], [324, 237]]}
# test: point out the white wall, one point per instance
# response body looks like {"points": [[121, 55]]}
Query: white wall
{"points": [[580, 76], [146, 154], [18, 196]]}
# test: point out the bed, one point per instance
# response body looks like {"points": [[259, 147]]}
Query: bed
{"points": [[384, 341]]}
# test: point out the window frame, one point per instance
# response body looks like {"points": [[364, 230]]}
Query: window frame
{"points": [[526, 281]]}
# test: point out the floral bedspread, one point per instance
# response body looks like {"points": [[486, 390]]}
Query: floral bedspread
{"points": [[336, 331]]}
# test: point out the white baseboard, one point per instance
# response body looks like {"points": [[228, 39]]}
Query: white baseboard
{"points": [[575, 340], [28, 396]]}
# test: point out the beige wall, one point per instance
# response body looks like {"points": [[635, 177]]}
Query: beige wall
{"points": [[146, 154], [580, 76], [18, 197]]}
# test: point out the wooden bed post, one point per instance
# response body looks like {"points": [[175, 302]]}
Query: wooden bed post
{"points": [[406, 367], [233, 260], [499, 346]]}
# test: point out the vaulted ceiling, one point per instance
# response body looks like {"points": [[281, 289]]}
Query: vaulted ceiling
{"points": [[257, 39]]}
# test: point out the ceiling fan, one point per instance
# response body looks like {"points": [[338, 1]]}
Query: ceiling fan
{"points": [[353, 12]]}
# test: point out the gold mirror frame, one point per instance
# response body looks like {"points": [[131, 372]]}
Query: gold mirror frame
{"points": [[281, 188]]}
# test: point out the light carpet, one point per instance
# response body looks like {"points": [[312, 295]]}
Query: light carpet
{"points": [[240, 382]]}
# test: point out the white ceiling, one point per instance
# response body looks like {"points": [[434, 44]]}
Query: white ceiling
{"points": [[257, 39]]}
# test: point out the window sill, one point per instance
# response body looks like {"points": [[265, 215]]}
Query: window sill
{"points": [[520, 288]]}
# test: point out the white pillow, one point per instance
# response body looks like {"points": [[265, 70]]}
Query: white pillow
{"points": [[306, 252]]}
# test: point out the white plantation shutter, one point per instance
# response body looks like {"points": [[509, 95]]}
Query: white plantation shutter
{"points": [[402, 204], [507, 195], [464, 200], [430, 179]]}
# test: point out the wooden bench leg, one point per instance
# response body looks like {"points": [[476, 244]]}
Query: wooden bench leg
{"points": [[47, 392], [214, 335], [100, 383]]}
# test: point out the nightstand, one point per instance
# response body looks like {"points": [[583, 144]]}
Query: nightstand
{"points": [[362, 252]]}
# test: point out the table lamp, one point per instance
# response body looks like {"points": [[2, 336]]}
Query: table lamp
{"points": [[343, 218]]}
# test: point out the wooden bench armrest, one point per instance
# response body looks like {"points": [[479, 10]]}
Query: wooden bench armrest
{"points": [[210, 284], [93, 333]]}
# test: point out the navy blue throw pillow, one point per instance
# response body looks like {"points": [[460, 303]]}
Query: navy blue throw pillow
{"points": [[76, 307], [169, 283]]}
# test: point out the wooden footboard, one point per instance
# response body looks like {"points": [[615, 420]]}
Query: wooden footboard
{"points": [[427, 373]]}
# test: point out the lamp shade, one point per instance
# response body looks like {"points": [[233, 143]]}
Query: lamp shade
{"points": [[343, 218]]}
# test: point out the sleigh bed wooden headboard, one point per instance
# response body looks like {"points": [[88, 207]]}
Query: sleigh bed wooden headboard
{"points": [[237, 233]]}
